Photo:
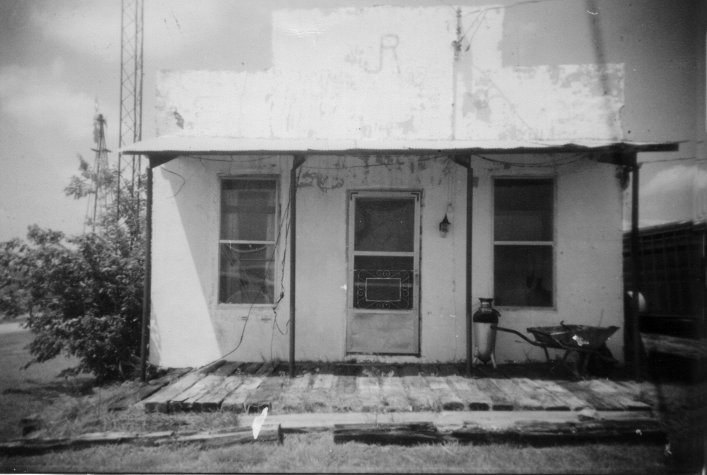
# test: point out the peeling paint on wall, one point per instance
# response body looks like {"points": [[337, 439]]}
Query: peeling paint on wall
{"points": [[393, 72]]}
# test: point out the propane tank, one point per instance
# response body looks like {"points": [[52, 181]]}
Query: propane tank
{"points": [[484, 335]]}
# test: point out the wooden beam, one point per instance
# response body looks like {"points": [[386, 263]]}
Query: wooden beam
{"points": [[268, 433], [465, 161], [147, 279], [387, 434], [633, 321], [297, 160]]}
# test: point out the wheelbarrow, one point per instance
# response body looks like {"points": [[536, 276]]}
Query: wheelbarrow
{"points": [[584, 340]]}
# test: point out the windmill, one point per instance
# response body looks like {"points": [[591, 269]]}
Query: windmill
{"points": [[100, 167]]}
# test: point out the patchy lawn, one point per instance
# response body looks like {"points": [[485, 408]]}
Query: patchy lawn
{"points": [[318, 453], [72, 406]]}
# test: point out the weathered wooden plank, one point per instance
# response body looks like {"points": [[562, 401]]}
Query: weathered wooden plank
{"points": [[543, 433], [227, 369], [267, 392], [251, 368], [684, 347], [499, 400], [619, 393], [597, 400], [394, 397], [536, 390], [185, 401], [160, 400], [266, 369], [293, 395], [566, 397], [369, 392], [236, 400], [324, 381], [211, 367], [521, 399], [641, 392], [142, 392], [346, 398], [386, 434], [211, 400], [421, 397], [268, 433], [449, 399], [321, 395], [474, 399], [410, 370]]}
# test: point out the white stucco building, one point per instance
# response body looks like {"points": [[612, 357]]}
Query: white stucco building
{"points": [[372, 126]]}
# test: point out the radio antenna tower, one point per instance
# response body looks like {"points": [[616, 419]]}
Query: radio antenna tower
{"points": [[100, 167], [131, 76]]}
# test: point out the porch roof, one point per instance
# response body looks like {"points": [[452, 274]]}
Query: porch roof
{"points": [[172, 146]]}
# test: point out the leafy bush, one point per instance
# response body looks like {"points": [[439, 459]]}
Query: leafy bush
{"points": [[83, 294]]}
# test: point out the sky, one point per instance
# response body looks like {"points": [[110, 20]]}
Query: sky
{"points": [[60, 65]]}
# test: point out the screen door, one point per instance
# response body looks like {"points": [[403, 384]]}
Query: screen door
{"points": [[383, 308]]}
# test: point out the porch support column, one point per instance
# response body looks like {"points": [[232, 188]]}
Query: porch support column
{"points": [[147, 282], [466, 163], [633, 320], [296, 162]]}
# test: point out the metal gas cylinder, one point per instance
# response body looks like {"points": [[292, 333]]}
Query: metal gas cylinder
{"points": [[484, 334]]}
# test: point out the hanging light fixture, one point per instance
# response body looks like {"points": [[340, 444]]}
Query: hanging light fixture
{"points": [[444, 224]]}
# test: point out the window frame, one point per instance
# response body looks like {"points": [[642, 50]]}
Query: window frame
{"points": [[552, 244], [275, 266]]}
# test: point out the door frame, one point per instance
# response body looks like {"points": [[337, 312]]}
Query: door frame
{"points": [[414, 312]]}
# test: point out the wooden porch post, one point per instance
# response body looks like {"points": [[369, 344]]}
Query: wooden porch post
{"points": [[466, 163], [469, 240], [635, 337], [147, 283], [296, 162]]}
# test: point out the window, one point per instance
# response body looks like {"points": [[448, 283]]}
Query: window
{"points": [[523, 242], [247, 240]]}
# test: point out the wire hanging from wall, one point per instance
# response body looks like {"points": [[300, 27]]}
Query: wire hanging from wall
{"points": [[284, 223]]}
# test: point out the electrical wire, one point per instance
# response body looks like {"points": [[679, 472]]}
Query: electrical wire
{"points": [[679, 159], [574, 158], [374, 165], [284, 221], [184, 181]]}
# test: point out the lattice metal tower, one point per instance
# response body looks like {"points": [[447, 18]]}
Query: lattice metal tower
{"points": [[131, 76], [100, 166]]}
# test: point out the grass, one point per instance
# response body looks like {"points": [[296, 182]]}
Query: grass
{"points": [[73, 406], [318, 453]]}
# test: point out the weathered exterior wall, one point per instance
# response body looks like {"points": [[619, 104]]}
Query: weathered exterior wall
{"points": [[588, 271], [375, 74], [394, 72], [191, 328], [188, 326]]}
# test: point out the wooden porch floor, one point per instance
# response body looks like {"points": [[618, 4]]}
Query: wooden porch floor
{"points": [[329, 388]]}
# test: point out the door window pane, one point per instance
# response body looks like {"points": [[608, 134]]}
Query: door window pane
{"points": [[385, 225], [383, 282]]}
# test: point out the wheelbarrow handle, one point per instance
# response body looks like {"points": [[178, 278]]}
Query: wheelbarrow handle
{"points": [[534, 343]]}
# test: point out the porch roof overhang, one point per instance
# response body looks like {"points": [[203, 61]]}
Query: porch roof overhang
{"points": [[165, 148]]}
